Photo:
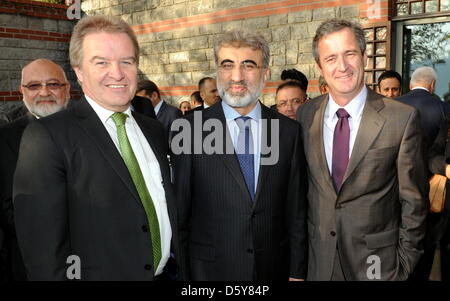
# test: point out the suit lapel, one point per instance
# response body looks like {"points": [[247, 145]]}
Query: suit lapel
{"points": [[267, 115], [161, 109], [371, 124], [93, 127], [317, 149]]}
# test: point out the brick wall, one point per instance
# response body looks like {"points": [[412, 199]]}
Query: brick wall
{"points": [[176, 36], [30, 30]]}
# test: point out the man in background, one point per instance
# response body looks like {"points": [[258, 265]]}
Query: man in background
{"points": [[289, 97], [165, 113], [390, 84], [45, 91]]}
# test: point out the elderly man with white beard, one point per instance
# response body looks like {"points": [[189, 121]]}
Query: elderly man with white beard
{"points": [[45, 91], [242, 217]]}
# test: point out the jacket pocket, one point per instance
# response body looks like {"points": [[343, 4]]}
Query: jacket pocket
{"points": [[202, 252], [382, 239]]}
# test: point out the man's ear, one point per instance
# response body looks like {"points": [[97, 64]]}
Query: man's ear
{"points": [[266, 75], [432, 86], [79, 74]]}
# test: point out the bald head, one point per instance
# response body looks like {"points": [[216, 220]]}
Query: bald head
{"points": [[44, 87], [424, 77]]}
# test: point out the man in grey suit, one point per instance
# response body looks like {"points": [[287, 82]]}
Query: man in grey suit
{"points": [[165, 113], [242, 214], [367, 186]]}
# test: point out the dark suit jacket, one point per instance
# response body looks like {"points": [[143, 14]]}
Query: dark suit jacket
{"points": [[382, 205], [167, 114], [439, 223], [10, 136], [199, 108], [144, 106], [431, 112], [225, 234], [73, 195]]}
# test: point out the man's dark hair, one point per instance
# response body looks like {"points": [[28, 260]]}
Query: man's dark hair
{"points": [[290, 84], [389, 74], [201, 83], [148, 86], [294, 74], [197, 96]]}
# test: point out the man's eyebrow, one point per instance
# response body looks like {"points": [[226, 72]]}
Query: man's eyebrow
{"points": [[98, 58], [226, 61], [250, 61]]}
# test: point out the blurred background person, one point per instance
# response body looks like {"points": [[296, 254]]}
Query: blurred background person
{"points": [[184, 106], [289, 97], [390, 84]]}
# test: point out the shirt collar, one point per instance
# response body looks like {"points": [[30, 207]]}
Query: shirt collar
{"points": [[158, 106], [420, 88], [354, 108], [104, 114], [205, 105], [231, 114]]}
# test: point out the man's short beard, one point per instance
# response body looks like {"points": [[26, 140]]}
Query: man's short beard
{"points": [[44, 110], [240, 101]]}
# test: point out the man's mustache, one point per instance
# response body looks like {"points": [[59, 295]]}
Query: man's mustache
{"points": [[41, 99]]}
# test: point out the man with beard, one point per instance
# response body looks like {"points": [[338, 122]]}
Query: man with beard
{"points": [[45, 91], [242, 216]]}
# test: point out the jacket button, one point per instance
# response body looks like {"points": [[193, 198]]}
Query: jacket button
{"points": [[250, 251], [145, 228], [148, 267], [332, 233]]}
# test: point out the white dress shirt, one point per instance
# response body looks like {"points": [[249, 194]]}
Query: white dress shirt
{"points": [[158, 106], [150, 171], [354, 108], [255, 126]]}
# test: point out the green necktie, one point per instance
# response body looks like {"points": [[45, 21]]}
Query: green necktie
{"points": [[138, 180]]}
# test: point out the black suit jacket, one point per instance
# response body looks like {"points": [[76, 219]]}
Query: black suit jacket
{"points": [[167, 114], [199, 108], [73, 195], [431, 112], [224, 233], [144, 106], [10, 136]]}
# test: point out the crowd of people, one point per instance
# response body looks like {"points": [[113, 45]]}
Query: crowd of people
{"points": [[223, 187]]}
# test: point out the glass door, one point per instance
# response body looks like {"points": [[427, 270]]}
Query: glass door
{"points": [[424, 42]]}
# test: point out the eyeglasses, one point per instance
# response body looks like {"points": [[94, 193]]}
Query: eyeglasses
{"points": [[247, 67], [284, 103], [38, 86]]}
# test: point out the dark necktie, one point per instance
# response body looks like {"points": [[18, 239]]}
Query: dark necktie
{"points": [[138, 180], [341, 141], [245, 153]]}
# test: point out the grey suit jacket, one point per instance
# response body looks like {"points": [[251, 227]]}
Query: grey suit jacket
{"points": [[167, 114], [381, 207]]}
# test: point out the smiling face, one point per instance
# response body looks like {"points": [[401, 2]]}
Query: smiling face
{"points": [[108, 71], [342, 65], [241, 77]]}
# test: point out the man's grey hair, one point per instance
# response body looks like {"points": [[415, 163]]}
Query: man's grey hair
{"points": [[243, 38], [335, 25], [424, 75]]}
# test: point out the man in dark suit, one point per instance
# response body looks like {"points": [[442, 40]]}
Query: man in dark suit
{"points": [[165, 113], [45, 90], [92, 190], [143, 105], [241, 208], [208, 94], [367, 187], [432, 116]]}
